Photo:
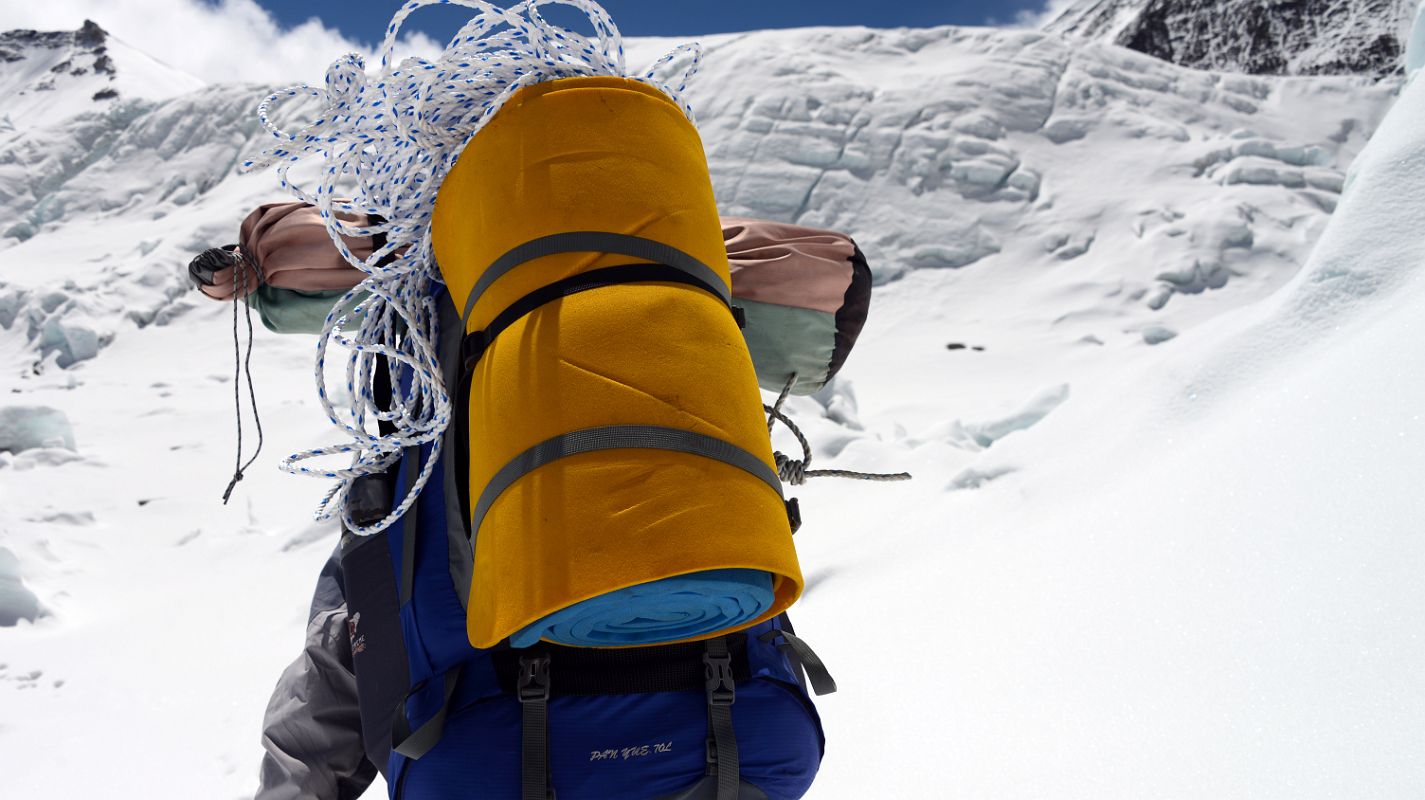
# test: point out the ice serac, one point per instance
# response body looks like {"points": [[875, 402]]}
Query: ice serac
{"points": [[1035, 157], [1261, 37], [16, 601], [29, 427]]}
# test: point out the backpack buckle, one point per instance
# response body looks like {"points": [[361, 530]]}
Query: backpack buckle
{"points": [[533, 682], [721, 688]]}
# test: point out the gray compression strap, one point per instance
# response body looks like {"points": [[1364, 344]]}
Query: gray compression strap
{"points": [[596, 242], [821, 680], [532, 690], [723, 759], [409, 530], [615, 437], [458, 553], [416, 744]]}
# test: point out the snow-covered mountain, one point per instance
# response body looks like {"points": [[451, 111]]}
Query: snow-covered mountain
{"points": [[1157, 544], [1264, 37], [48, 77]]}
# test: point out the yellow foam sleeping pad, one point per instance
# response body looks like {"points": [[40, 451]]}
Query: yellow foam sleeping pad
{"points": [[617, 437]]}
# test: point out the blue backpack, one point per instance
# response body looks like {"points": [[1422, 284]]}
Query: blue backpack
{"points": [[725, 719]]}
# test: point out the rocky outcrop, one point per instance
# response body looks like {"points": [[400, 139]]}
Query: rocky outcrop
{"points": [[90, 40], [1260, 37]]}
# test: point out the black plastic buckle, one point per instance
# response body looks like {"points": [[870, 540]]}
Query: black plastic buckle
{"points": [[534, 679], [722, 690], [739, 314], [794, 514]]}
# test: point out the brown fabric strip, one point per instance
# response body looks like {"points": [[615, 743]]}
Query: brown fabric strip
{"points": [[293, 251], [786, 264]]}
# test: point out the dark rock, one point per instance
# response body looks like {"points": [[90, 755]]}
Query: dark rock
{"points": [[1259, 37], [90, 34]]}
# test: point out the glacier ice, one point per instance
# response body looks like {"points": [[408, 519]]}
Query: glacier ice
{"points": [[29, 427], [16, 601], [1415, 45]]}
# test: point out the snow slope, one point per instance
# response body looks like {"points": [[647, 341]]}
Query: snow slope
{"points": [[48, 77], [1198, 577], [1161, 537]]}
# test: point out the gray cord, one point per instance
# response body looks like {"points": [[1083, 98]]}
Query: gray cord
{"points": [[781, 398], [242, 363], [796, 472]]}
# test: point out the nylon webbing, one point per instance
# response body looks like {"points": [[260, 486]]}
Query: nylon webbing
{"points": [[475, 343], [821, 680], [409, 531], [414, 745], [596, 242], [533, 693], [616, 437], [596, 671], [721, 691]]}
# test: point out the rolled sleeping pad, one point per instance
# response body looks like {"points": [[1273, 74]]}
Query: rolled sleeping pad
{"points": [[673, 608], [623, 490]]}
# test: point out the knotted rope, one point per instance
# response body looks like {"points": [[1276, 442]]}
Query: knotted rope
{"points": [[796, 472]]}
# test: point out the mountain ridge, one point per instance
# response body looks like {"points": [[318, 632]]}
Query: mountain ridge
{"points": [[47, 77], [1258, 37]]}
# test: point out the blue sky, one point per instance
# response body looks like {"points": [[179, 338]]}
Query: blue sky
{"points": [[364, 20]]}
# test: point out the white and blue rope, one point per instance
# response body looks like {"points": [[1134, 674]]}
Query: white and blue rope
{"points": [[395, 134]]}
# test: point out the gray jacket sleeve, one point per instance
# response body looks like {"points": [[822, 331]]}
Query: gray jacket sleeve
{"points": [[312, 729]]}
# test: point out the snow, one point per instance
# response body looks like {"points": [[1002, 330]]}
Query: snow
{"points": [[1200, 577], [1162, 406]]}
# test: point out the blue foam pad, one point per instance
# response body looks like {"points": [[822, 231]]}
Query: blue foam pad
{"points": [[660, 611]]}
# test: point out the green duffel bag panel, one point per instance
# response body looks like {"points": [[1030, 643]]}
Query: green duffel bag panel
{"points": [[786, 341], [296, 311]]}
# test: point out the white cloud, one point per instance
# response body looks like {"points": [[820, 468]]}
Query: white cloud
{"points": [[235, 40], [1038, 19]]}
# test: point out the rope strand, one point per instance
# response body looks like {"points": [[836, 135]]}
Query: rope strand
{"points": [[796, 472], [242, 363]]}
